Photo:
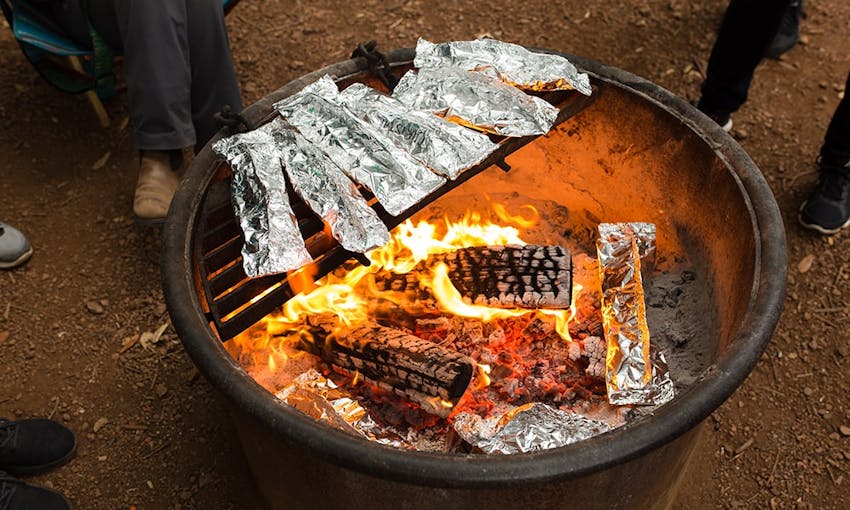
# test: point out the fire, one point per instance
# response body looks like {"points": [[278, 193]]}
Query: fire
{"points": [[348, 296]]}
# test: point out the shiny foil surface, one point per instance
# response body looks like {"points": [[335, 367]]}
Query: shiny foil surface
{"points": [[446, 148], [273, 243], [513, 64], [631, 375], [529, 428], [327, 191], [476, 100], [363, 152]]}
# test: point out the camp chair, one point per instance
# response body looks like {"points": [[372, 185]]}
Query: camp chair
{"points": [[62, 62]]}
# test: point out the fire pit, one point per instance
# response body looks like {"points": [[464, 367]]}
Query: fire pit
{"points": [[632, 153]]}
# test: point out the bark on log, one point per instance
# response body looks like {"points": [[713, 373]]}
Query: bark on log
{"points": [[528, 276], [413, 368]]}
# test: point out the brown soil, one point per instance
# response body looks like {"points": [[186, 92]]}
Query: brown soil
{"points": [[151, 432]]}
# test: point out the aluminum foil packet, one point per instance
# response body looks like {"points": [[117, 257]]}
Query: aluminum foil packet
{"points": [[273, 243], [512, 63], [476, 100], [446, 148], [328, 192], [365, 154], [529, 428], [320, 398], [631, 375]]}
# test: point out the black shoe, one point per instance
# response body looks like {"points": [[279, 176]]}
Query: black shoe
{"points": [[828, 208], [17, 495], [32, 446], [723, 119], [789, 31]]}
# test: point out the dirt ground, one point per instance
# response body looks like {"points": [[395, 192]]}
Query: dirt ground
{"points": [[152, 434]]}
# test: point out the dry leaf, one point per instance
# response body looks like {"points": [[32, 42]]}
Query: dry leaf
{"points": [[4, 335], [99, 424], [806, 263], [128, 342], [102, 161], [147, 338]]}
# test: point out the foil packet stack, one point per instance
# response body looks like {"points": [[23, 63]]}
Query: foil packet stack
{"points": [[446, 148], [328, 192], [364, 153], [273, 243], [318, 397], [532, 427], [476, 100], [512, 63], [631, 375]]}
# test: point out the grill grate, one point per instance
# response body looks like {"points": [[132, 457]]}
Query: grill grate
{"points": [[233, 302]]}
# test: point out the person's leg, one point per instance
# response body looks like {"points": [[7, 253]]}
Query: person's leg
{"points": [[827, 210], [747, 28], [214, 81]]}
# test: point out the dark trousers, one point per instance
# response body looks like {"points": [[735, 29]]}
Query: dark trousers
{"points": [[748, 28], [177, 66]]}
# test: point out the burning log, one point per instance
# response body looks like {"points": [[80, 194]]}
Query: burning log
{"points": [[413, 368], [528, 276]]}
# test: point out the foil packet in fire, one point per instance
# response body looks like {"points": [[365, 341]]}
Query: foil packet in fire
{"points": [[476, 100], [446, 148], [529, 428], [634, 374], [273, 243], [328, 192], [320, 398], [512, 63], [363, 152]]}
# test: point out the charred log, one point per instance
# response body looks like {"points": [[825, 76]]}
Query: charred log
{"points": [[413, 368], [528, 276]]}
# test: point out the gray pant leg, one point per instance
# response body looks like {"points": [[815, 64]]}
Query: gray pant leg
{"points": [[177, 66]]}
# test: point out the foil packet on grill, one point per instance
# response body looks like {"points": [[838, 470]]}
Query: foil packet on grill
{"points": [[320, 398], [446, 148], [273, 243], [633, 374], [363, 152], [327, 191], [512, 63], [476, 100], [529, 428]]}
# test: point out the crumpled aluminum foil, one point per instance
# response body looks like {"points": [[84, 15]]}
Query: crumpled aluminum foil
{"points": [[365, 154], [318, 397], [631, 375], [528, 428], [446, 148], [513, 64], [273, 243], [328, 192], [476, 100]]}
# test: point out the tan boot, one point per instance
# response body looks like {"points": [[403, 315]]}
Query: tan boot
{"points": [[155, 188]]}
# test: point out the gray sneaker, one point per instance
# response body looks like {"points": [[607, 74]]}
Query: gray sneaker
{"points": [[14, 247]]}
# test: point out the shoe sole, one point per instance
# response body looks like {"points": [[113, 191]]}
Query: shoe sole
{"points": [[817, 228], [34, 470], [150, 222], [17, 262]]}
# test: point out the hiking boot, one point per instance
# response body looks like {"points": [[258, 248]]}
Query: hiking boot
{"points": [[17, 495], [33, 446], [828, 208], [155, 187], [789, 31], [723, 119], [14, 247]]}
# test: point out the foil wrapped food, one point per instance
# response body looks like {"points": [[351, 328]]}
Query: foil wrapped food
{"points": [[327, 191], [512, 63], [363, 152], [273, 243], [446, 148], [476, 100], [320, 398], [633, 375], [532, 427]]}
